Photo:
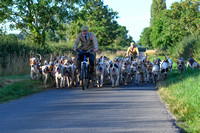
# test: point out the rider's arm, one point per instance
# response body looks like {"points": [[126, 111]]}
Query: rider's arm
{"points": [[77, 41], [128, 51], [137, 51]]}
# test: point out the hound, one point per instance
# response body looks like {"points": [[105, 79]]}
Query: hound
{"points": [[114, 72], [118, 61], [134, 70], [149, 73], [59, 75], [45, 72], [70, 76], [169, 61], [100, 69], [192, 63], [180, 64], [164, 68], [125, 70], [35, 64], [156, 73], [141, 71]]}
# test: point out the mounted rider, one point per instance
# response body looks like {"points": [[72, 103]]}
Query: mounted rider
{"points": [[132, 51]]}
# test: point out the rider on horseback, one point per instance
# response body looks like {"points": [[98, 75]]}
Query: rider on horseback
{"points": [[132, 51]]}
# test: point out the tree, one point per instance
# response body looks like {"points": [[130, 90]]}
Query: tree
{"points": [[36, 17], [5, 9], [123, 39], [171, 26], [99, 18], [145, 37], [156, 7]]}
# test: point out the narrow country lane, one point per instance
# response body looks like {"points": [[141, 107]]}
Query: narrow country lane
{"points": [[95, 110]]}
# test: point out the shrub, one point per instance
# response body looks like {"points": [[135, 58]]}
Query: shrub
{"points": [[190, 44]]}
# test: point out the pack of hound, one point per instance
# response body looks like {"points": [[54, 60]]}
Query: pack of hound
{"points": [[62, 71]]}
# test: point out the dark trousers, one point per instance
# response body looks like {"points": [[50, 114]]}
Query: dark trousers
{"points": [[91, 66], [91, 57]]}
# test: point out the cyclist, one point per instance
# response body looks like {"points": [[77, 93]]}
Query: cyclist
{"points": [[88, 42], [132, 51]]}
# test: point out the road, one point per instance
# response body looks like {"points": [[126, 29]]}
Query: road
{"points": [[125, 109]]}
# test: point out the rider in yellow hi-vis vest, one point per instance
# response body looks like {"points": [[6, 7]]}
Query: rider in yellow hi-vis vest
{"points": [[132, 51]]}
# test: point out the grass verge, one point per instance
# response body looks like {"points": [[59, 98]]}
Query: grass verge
{"points": [[181, 94], [19, 88]]}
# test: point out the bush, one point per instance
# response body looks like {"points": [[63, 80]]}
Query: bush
{"points": [[190, 45]]}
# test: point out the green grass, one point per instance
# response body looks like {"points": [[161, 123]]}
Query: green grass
{"points": [[181, 93], [21, 87]]}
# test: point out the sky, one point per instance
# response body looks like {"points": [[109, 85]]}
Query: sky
{"points": [[134, 14]]}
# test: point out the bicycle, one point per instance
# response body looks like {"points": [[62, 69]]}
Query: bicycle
{"points": [[85, 69]]}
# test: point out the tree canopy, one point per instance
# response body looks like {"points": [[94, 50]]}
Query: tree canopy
{"points": [[101, 20], [170, 26], [36, 17], [55, 20]]}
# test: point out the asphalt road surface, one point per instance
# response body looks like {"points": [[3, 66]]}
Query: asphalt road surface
{"points": [[95, 110]]}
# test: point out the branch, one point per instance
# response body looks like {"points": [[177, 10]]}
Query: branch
{"points": [[48, 23]]}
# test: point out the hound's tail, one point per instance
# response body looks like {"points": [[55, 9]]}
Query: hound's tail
{"points": [[40, 57]]}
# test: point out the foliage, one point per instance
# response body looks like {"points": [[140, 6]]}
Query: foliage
{"points": [[187, 47], [156, 7], [42, 22], [5, 10], [122, 38], [145, 37], [12, 47], [169, 27], [35, 18], [101, 20]]}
